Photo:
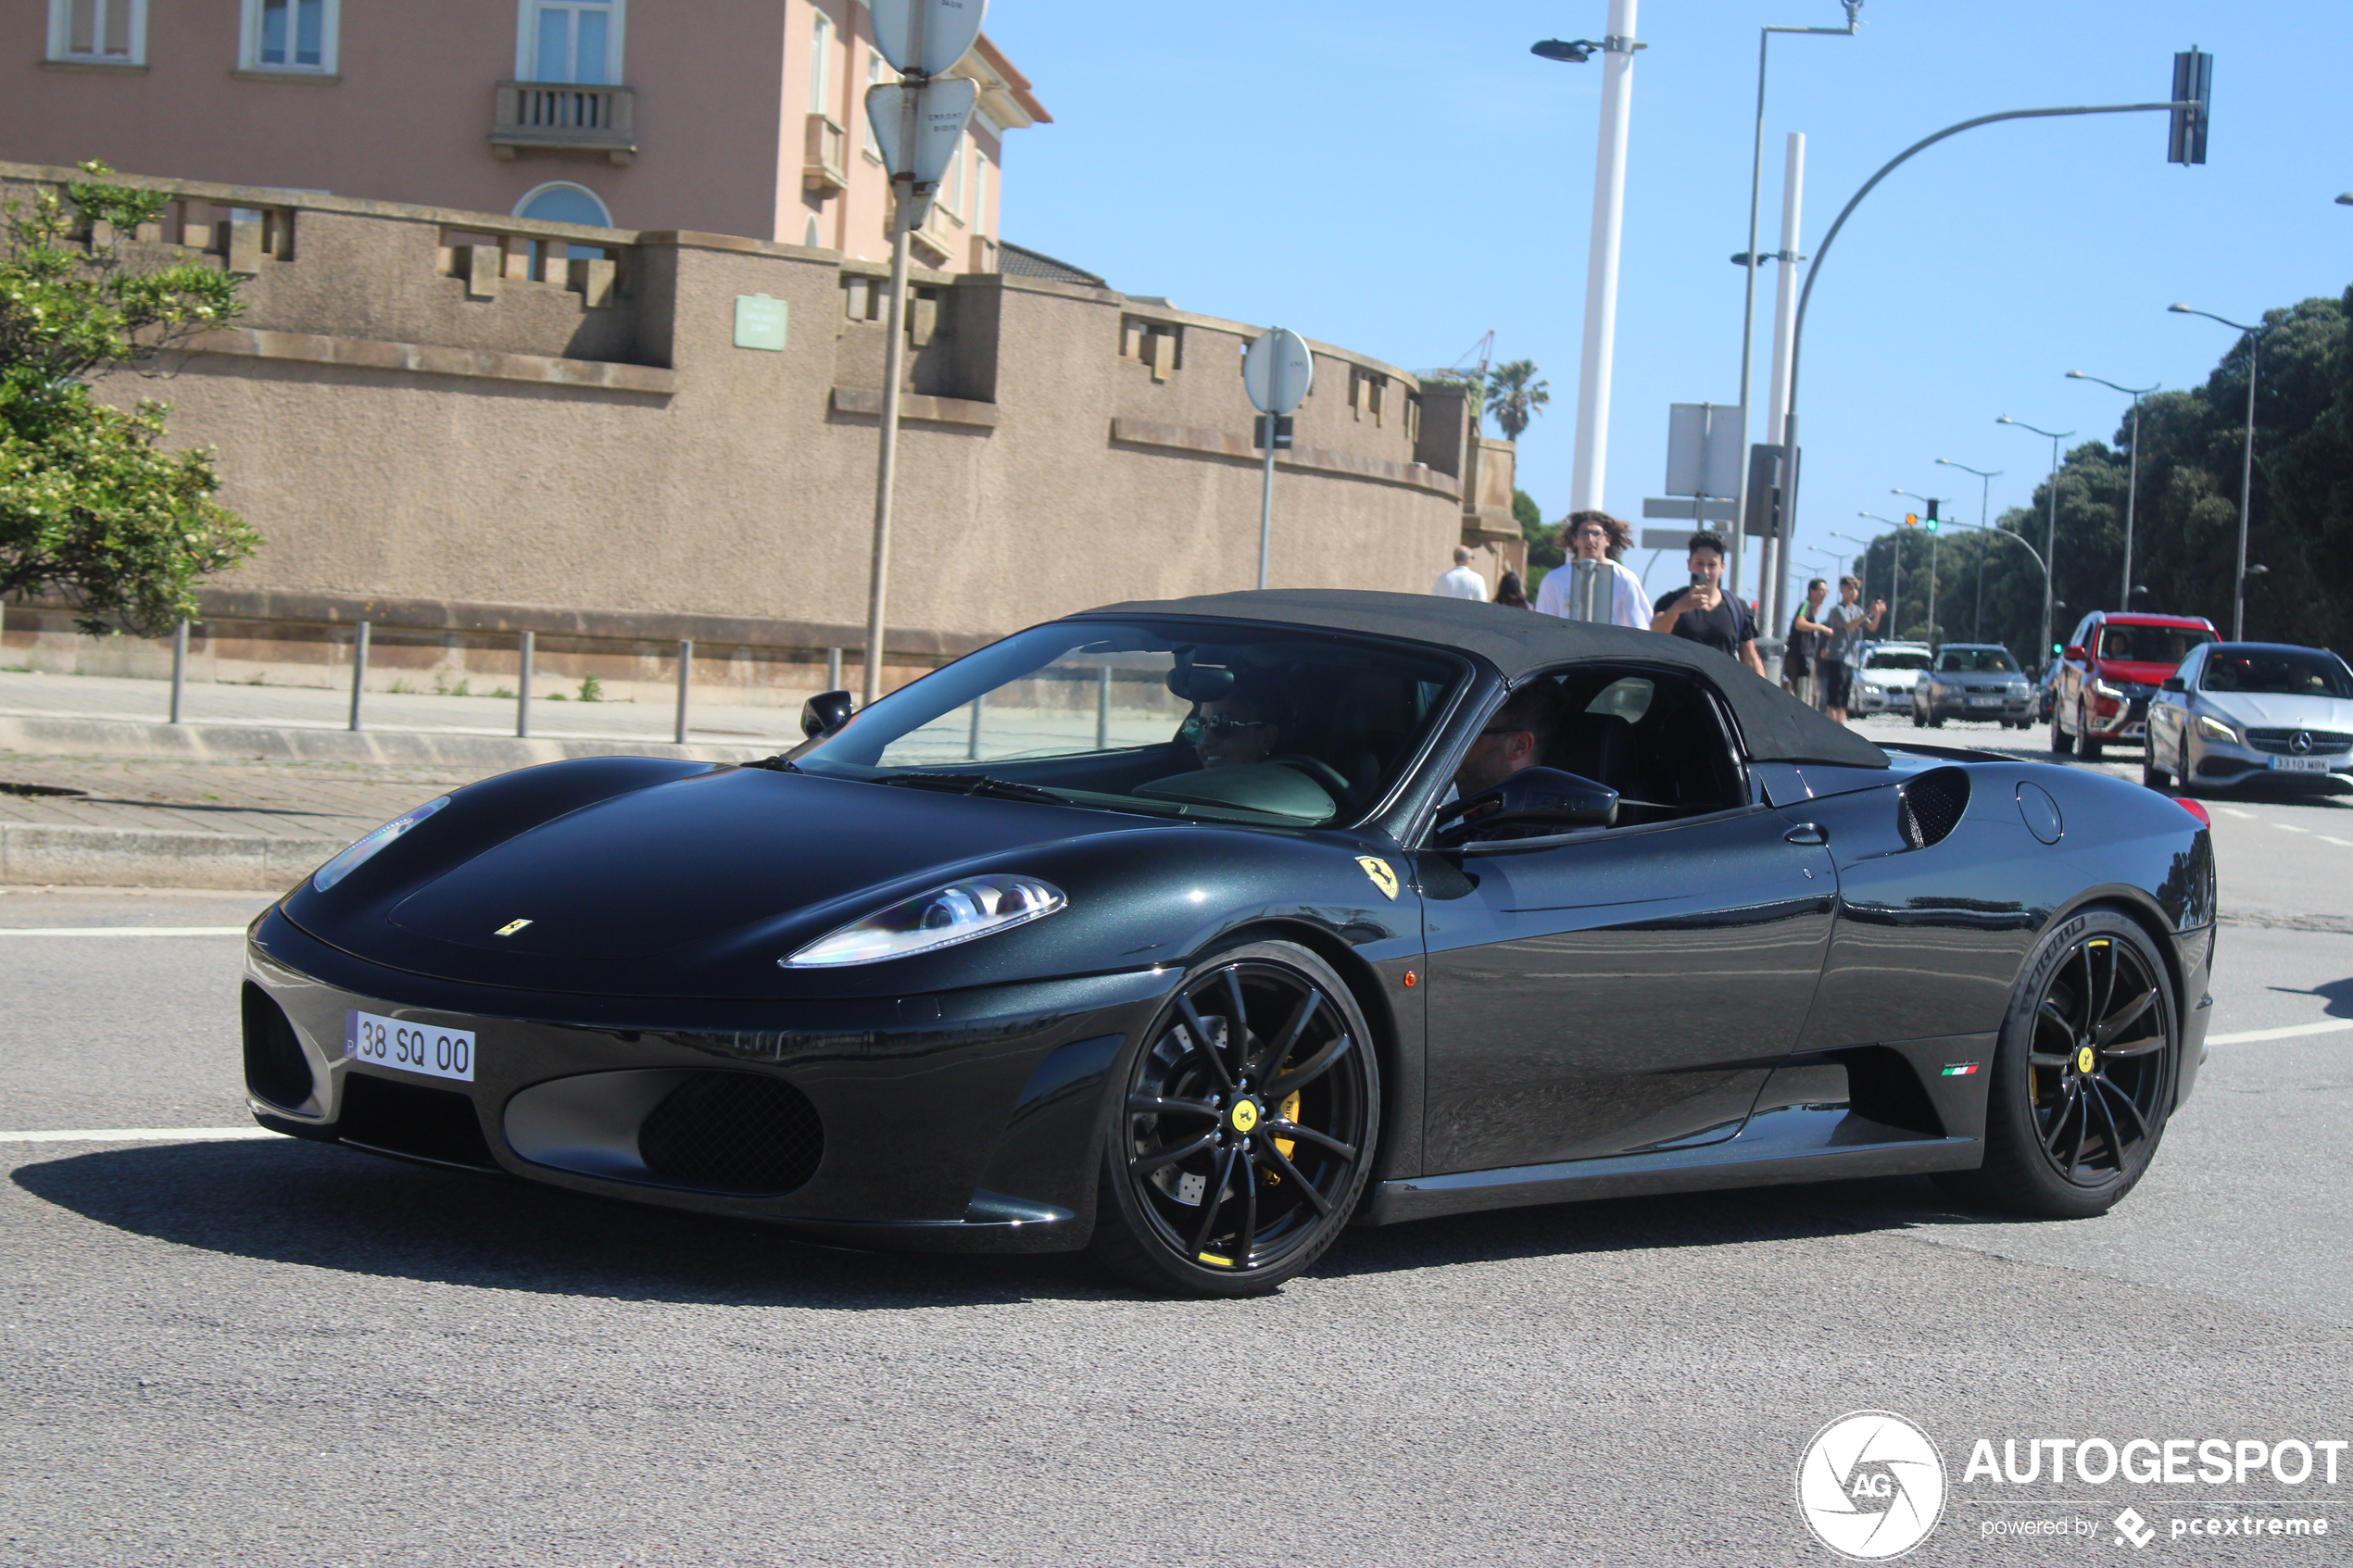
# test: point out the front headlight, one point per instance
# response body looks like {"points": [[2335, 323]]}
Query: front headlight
{"points": [[2101, 688], [974, 905], [351, 860], [2214, 729]]}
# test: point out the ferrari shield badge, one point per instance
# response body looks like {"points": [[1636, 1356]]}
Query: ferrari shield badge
{"points": [[510, 928], [1383, 878]]}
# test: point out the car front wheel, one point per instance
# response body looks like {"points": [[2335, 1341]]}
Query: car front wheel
{"points": [[2087, 745], [2082, 1076], [1243, 1127], [2062, 744]]}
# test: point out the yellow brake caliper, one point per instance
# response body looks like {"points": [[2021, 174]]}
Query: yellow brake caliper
{"points": [[1288, 1111]]}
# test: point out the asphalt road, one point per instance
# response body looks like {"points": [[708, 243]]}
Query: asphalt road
{"points": [[278, 1352]]}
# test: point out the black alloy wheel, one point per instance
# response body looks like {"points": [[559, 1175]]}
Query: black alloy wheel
{"points": [[2082, 1079], [1242, 1129]]}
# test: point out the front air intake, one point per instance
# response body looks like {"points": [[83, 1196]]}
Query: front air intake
{"points": [[392, 1117], [276, 1070], [733, 1131], [1931, 805]]}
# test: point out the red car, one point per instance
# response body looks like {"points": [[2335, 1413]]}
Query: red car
{"points": [[2113, 664]]}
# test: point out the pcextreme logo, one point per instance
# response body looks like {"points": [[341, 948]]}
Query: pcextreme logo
{"points": [[1870, 1486]]}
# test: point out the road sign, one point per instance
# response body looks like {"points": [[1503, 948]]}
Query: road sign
{"points": [[1277, 370], [760, 321], [1703, 449], [925, 37], [918, 125]]}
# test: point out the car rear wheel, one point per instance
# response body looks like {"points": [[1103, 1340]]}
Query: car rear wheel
{"points": [[2082, 1076], [1919, 717], [1242, 1129]]}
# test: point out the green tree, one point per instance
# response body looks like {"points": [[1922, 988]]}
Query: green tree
{"points": [[1514, 395], [92, 509]]}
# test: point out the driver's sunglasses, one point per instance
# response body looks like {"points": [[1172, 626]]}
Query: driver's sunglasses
{"points": [[1194, 728]]}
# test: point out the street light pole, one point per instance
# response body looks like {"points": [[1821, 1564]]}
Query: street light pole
{"points": [[2132, 483], [1862, 562], [2255, 336], [1984, 502], [2050, 532], [1772, 604], [1933, 502], [1600, 272]]}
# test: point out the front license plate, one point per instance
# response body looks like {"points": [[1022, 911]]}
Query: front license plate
{"points": [[412, 1047], [2308, 764], [1985, 702]]}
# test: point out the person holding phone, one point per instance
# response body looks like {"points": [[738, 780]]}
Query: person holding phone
{"points": [[1703, 613]]}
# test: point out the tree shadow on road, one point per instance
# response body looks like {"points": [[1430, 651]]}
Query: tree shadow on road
{"points": [[317, 1207]]}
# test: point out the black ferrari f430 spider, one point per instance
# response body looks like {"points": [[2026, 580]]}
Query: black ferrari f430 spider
{"points": [[1169, 931]]}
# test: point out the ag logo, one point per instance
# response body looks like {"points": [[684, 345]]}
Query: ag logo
{"points": [[1383, 878], [1871, 1486]]}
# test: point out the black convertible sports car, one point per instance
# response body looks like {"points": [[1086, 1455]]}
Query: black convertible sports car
{"points": [[1161, 931]]}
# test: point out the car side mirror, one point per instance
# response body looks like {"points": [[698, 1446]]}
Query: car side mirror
{"points": [[1532, 797], [2075, 653], [2174, 684], [825, 713]]}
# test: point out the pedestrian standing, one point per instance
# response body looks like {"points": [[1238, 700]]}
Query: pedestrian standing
{"points": [[1807, 636], [1703, 613], [1591, 585], [1847, 620], [1461, 583], [1509, 593]]}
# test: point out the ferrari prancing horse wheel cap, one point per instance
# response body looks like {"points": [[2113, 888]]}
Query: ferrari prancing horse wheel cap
{"points": [[1244, 1115]]}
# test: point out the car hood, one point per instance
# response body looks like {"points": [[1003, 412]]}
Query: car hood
{"points": [[2268, 711]]}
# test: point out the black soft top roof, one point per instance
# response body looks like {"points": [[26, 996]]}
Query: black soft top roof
{"points": [[1777, 726]]}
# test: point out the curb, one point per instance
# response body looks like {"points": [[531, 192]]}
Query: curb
{"points": [[43, 854], [122, 737]]}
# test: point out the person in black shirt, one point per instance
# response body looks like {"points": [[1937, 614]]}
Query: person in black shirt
{"points": [[1703, 613]]}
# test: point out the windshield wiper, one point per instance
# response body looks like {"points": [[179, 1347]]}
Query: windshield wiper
{"points": [[975, 784]]}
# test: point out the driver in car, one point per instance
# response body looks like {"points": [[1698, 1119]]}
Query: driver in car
{"points": [[1242, 726], [1514, 738]]}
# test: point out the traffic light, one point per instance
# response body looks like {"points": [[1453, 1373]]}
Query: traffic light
{"points": [[1931, 523], [1911, 520]]}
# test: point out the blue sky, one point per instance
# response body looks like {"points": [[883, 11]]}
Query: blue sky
{"points": [[1401, 178]]}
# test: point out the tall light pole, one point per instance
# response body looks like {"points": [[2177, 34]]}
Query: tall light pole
{"points": [[2006, 533], [2255, 336], [1769, 597], [1862, 561], [1984, 504], [1895, 571], [2050, 530], [1932, 502], [1601, 268], [2132, 483]]}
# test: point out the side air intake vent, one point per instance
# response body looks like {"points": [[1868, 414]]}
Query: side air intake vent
{"points": [[1931, 805], [733, 1131], [275, 1068]]}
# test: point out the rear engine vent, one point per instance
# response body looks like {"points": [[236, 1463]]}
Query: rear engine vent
{"points": [[396, 1118], [1931, 805], [275, 1068], [733, 1131]]}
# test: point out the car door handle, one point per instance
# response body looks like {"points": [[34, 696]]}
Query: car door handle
{"points": [[1807, 832]]}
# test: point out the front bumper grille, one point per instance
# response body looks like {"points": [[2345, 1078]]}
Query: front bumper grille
{"points": [[409, 1118], [733, 1131], [2283, 742]]}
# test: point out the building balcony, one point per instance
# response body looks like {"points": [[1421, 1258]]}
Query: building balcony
{"points": [[821, 168], [565, 117], [940, 239]]}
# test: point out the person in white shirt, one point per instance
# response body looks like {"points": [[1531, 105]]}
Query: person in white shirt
{"points": [[1591, 586], [1461, 583]]}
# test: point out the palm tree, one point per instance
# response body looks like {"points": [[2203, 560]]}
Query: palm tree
{"points": [[1515, 396]]}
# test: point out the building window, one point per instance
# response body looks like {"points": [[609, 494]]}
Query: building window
{"points": [[820, 56], [809, 235], [873, 79], [976, 196], [953, 198], [290, 36], [570, 40], [109, 32], [560, 201]]}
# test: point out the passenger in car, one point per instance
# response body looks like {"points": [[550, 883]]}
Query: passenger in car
{"points": [[1517, 736]]}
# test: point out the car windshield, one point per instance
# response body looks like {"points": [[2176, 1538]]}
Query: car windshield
{"points": [[2281, 673], [1896, 658], [1975, 661], [1226, 722], [2151, 645]]}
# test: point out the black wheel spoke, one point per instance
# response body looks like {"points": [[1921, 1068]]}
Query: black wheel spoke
{"points": [[2115, 1138], [1272, 1057], [2049, 1013], [2083, 1129], [2094, 1012], [1307, 1072], [2060, 1120], [1144, 1165], [1249, 1237], [2116, 1092], [1152, 1105], [1236, 1019], [2124, 1018], [1293, 1131], [1289, 1172], [2035, 1059], [2149, 1047], [1200, 1033], [1212, 1200]]}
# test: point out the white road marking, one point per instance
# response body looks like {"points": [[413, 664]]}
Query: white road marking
{"points": [[141, 1135], [2247, 1036], [2289, 827], [2233, 811], [2340, 843], [121, 931]]}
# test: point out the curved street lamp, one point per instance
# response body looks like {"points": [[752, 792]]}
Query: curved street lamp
{"points": [[1984, 504], [2131, 484], [2255, 336], [2050, 532]]}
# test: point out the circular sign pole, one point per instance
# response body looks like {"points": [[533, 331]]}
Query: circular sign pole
{"points": [[1278, 372]]}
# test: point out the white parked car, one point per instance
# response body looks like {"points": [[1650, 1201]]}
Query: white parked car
{"points": [[2235, 711], [1885, 675]]}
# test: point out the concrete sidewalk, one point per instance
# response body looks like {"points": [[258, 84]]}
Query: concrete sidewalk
{"points": [[264, 782]]}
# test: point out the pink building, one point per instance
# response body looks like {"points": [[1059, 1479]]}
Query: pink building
{"points": [[743, 117]]}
